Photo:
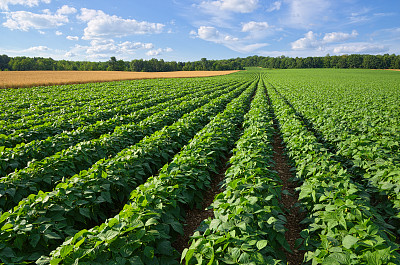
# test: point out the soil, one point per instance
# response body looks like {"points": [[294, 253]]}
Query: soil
{"points": [[16, 79], [195, 216], [289, 201]]}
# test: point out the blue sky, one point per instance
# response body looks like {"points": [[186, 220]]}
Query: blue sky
{"points": [[184, 30]]}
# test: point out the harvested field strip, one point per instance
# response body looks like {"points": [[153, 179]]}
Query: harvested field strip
{"points": [[16, 79]]}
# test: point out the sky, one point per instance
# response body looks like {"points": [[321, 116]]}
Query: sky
{"points": [[188, 30]]}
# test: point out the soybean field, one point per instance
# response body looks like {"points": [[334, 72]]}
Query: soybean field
{"points": [[298, 166]]}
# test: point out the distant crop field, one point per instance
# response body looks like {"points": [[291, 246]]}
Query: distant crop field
{"points": [[15, 79]]}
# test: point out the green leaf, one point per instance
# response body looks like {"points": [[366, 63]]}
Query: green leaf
{"points": [[84, 212], [65, 250], [149, 252], [177, 227], [7, 252], [52, 235], [7, 226], [214, 224], [110, 234], [136, 261], [165, 248], [262, 244], [349, 241], [151, 221], [34, 240], [235, 253]]}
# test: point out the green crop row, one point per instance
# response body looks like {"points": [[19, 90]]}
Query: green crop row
{"points": [[18, 157], [44, 174], [43, 221], [248, 222], [362, 124], [87, 109], [68, 123], [23, 103], [144, 229], [343, 228]]}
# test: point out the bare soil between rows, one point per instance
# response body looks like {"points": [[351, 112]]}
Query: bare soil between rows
{"points": [[195, 216], [19, 79]]}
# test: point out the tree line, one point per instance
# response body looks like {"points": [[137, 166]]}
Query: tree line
{"points": [[22, 63]]}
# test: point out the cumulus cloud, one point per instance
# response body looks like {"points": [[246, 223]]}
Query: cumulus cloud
{"points": [[339, 36], [311, 40], [38, 49], [59, 33], [24, 20], [104, 47], [101, 25], [255, 26], [351, 48], [211, 34], [72, 38], [158, 51], [237, 6], [275, 6], [5, 3], [66, 10]]}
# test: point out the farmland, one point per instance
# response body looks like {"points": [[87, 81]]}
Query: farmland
{"points": [[16, 79], [255, 167]]}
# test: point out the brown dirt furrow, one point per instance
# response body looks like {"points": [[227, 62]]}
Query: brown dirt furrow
{"points": [[16, 79], [289, 201], [195, 216]]}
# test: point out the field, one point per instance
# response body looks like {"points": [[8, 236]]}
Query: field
{"points": [[255, 167], [15, 79]]}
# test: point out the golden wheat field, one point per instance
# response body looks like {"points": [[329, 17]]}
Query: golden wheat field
{"points": [[16, 79]]}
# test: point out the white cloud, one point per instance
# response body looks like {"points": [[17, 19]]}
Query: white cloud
{"points": [[128, 46], [69, 54], [104, 48], [66, 10], [72, 38], [351, 48], [310, 40], [255, 26], [275, 6], [158, 51], [59, 33], [339, 36], [5, 3], [24, 20], [211, 34], [38, 49], [237, 6], [306, 13], [102, 26]]}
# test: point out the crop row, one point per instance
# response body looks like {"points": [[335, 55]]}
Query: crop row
{"points": [[18, 157], [65, 123], [44, 174], [144, 229], [248, 222], [369, 148], [342, 226], [23, 103], [71, 112], [43, 221]]}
